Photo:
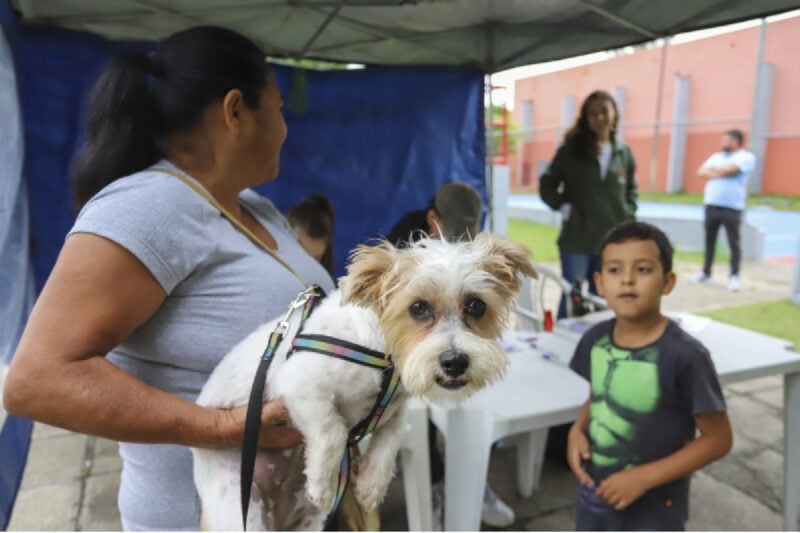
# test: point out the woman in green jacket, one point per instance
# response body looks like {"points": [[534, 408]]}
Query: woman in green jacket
{"points": [[592, 181]]}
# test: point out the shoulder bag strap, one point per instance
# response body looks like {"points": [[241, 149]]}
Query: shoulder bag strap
{"points": [[233, 220]]}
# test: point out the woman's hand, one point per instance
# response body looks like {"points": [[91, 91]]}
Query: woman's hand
{"points": [[276, 432], [276, 427]]}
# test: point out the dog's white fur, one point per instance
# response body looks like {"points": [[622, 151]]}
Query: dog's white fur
{"points": [[423, 305]]}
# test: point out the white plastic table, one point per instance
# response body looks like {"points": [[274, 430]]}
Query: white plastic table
{"points": [[540, 391]]}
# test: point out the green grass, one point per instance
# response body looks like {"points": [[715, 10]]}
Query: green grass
{"points": [[721, 256], [672, 198], [540, 238], [784, 203], [779, 318]]}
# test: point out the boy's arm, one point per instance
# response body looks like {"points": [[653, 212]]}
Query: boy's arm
{"points": [[578, 449], [715, 441]]}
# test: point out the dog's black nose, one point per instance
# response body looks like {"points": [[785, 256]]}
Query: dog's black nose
{"points": [[454, 363]]}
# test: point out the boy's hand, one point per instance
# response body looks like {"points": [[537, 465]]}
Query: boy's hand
{"points": [[622, 488], [577, 452]]}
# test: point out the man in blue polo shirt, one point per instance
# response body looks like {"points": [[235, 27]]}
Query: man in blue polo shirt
{"points": [[727, 173]]}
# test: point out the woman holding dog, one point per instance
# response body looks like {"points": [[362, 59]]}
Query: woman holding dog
{"points": [[592, 181], [153, 287]]}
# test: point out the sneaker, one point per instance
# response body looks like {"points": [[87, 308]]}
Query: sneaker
{"points": [[495, 512], [733, 283], [437, 497], [700, 278]]}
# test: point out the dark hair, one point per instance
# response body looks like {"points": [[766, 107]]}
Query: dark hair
{"points": [[139, 100], [737, 134], [314, 215], [581, 135], [635, 230]]}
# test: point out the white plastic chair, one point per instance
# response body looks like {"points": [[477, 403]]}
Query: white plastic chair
{"points": [[536, 297], [415, 461], [540, 295]]}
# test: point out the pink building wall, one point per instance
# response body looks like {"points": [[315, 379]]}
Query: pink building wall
{"points": [[722, 73]]}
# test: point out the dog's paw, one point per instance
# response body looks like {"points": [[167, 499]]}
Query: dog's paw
{"points": [[368, 496], [370, 485], [322, 493]]}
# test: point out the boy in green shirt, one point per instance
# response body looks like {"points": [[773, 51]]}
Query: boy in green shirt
{"points": [[656, 412]]}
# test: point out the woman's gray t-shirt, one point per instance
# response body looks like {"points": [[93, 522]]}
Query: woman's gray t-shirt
{"points": [[220, 286]]}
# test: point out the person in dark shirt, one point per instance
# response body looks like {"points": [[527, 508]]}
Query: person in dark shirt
{"points": [[656, 412], [453, 213]]}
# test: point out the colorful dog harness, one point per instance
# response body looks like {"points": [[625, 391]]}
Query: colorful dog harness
{"points": [[348, 351]]}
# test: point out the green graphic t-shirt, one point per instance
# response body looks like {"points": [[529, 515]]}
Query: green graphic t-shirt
{"points": [[643, 401]]}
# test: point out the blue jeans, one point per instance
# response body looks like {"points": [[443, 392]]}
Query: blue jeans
{"points": [[646, 514], [593, 513], [575, 268]]}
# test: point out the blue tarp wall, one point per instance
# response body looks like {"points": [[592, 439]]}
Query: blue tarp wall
{"points": [[16, 283], [378, 142]]}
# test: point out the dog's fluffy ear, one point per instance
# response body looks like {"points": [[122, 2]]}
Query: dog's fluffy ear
{"points": [[507, 258], [366, 273]]}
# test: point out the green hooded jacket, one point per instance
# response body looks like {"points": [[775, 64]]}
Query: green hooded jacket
{"points": [[598, 203]]}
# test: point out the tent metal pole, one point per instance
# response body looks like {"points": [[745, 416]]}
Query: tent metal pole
{"points": [[328, 20], [489, 65], [490, 153], [619, 20]]}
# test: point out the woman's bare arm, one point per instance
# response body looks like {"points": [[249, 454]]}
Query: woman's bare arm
{"points": [[99, 293]]}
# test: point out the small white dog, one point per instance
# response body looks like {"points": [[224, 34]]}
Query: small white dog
{"points": [[436, 308]]}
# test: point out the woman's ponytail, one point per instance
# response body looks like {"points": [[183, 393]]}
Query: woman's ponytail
{"points": [[121, 127], [139, 101]]}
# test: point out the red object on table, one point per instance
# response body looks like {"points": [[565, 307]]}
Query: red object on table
{"points": [[548, 320]]}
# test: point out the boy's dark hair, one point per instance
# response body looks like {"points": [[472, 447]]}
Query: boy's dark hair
{"points": [[635, 230], [140, 99], [736, 134]]}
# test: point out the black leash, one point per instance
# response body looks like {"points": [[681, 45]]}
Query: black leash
{"points": [[252, 426]]}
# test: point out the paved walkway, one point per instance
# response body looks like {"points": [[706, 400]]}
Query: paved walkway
{"points": [[71, 480]]}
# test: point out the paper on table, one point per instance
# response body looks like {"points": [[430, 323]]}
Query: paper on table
{"points": [[526, 336], [692, 323], [511, 339]]}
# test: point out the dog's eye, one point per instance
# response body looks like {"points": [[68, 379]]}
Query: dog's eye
{"points": [[475, 308], [420, 310]]}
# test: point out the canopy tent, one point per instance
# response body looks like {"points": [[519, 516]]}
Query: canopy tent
{"points": [[492, 35]]}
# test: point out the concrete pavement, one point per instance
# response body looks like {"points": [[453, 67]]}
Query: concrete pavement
{"points": [[71, 480]]}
